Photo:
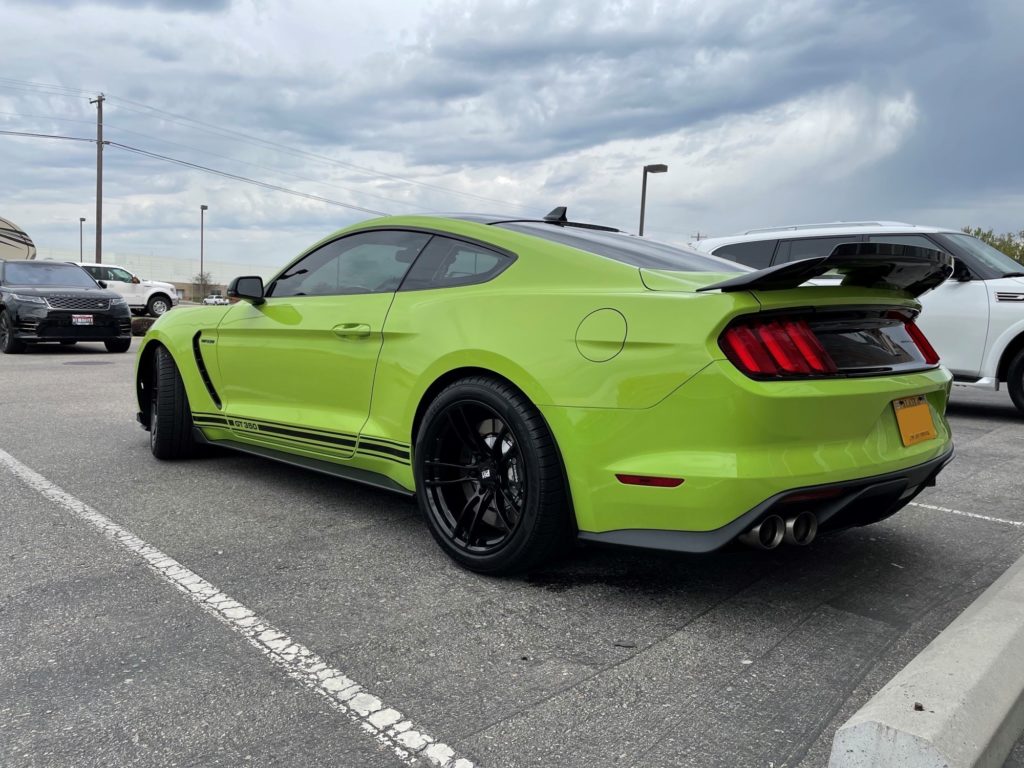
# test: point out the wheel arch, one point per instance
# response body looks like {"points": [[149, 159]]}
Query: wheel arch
{"points": [[144, 373], [1011, 350]]}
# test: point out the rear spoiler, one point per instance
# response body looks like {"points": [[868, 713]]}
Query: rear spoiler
{"points": [[905, 268]]}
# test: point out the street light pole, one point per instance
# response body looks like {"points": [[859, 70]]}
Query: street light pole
{"points": [[654, 168], [202, 274], [98, 101], [81, 221]]}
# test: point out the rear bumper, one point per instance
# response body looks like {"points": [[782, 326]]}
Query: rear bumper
{"points": [[836, 506]]}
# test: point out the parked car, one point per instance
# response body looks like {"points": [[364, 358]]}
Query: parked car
{"points": [[46, 301], [216, 299], [150, 297], [975, 319], [533, 380]]}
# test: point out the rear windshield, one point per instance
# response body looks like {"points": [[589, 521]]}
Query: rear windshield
{"points": [[627, 249], [36, 273]]}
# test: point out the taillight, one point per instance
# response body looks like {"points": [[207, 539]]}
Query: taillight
{"points": [[930, 355], [780, 347]]}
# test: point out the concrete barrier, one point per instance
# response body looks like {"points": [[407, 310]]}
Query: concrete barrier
{"points": [[959, 703]]}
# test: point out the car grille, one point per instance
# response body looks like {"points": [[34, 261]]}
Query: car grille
{"points": [[77, 302]]}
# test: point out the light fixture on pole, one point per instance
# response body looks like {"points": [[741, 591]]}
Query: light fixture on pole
{"points": [[655, 168], [202, 274], [81, 221]]}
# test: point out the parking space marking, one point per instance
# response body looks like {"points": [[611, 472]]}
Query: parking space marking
{"points": [[1018, 523], [383, 723]]}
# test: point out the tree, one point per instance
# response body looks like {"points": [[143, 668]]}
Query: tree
{"points": [[1011, 243], [200, 284]]}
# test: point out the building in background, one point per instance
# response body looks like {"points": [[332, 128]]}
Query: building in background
{"points": [[14, 242]]}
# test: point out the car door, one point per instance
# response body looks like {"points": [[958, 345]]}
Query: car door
{"points": [[297, 370], [954, 315], [120, 280]]}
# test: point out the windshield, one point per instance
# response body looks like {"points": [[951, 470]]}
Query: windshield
{"points": [[989, 256], [36, 273], [628, 249]]}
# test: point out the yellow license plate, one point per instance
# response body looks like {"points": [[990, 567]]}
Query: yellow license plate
{"points": [[914, 416]]}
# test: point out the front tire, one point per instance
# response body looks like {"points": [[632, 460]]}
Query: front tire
{"points": [[158, 305], [170, 418], [117, 345], [8, 344], [1015, 380], [489, 478]]}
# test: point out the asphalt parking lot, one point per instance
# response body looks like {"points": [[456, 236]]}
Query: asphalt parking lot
{"points": [[608, 658]]}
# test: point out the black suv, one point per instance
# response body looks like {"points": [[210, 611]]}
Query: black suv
{"points": [[52, 301]]}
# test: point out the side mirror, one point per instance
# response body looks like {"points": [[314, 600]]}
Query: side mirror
{"points": [[960, 272], [135, 280], [249, 288], [102, 283]]}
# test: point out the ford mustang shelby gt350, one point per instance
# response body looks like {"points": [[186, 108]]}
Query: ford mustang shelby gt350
{"points": [[531, 381]]}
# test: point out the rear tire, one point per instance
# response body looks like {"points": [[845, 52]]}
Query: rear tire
{"points": [[170, 418], [8, 344], [117, 345], [489, 478], [1015, 380]]}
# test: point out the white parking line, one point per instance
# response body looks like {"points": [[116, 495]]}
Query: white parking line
{"points": [[388, 726], [1018, 523]]}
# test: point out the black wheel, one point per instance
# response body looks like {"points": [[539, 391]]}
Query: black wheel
{"points": [[8, 344], [1015, 380], [68, 343], [489, 479], [158, 305], [170, 419], [117, 345]]}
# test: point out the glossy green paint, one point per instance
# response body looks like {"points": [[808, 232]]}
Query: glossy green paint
{"points": [[660, 401]]}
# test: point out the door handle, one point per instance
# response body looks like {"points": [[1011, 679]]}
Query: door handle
{"points": [[352, 330]]}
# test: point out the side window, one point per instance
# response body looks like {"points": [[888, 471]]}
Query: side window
{"points": [[794, 250], [755, 254], [919, 241], [119, 275], [446, 262], [96, 272], [366, 262]]}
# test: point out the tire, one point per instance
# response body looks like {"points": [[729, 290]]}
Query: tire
{"points": [[170, 418], [158, 304], [489, 479], [117, 345], [8, 344], [1015, 380], [68, 343]]}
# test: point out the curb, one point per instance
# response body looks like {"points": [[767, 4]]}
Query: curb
{"points": [[959, 703]]}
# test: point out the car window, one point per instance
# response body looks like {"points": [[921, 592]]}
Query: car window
{"points": [[808, 248], [917, 240], [96, 272], [44, 273], [635, 251], [756, 254], [119, 275], [446, 262], [366, 262]]}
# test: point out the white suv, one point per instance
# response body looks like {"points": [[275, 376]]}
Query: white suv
{"points": [[143, 296], [975, 319]]}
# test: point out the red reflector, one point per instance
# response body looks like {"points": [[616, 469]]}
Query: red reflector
{"points": [[930, 355], [654, 482]]}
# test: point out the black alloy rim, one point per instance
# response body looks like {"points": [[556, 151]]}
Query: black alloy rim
{"points": [[153, 421], [474, 476], [5, 330]]}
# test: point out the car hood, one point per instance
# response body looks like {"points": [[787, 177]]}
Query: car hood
{"points": [[62, 290], [157, 284]]}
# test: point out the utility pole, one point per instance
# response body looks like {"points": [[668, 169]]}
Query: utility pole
{"points": [[81, 223], [98, 101], [699, 236]]}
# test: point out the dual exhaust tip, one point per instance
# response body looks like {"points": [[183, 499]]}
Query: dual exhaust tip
{"points": [[798, 530]]}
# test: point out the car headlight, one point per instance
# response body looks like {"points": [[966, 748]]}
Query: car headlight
{"points": [[29, 299], [118, 301]]}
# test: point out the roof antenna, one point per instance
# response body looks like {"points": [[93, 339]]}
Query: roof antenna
{"points": [[557, 216]]}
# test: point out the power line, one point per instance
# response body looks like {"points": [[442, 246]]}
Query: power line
{"points": [[46, 136], [236, 177]]}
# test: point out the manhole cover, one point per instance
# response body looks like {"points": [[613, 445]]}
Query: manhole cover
{"points": [[89, 362]]}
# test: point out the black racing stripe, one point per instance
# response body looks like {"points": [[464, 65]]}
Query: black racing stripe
{"points": [[284, 425], [313, 437], [384, 450], [384, 441]]}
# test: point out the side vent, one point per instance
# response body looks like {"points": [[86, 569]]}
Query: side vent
{"points": [[202, 369]]}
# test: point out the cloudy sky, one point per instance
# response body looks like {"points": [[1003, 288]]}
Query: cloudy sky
{"points": [[766, 112]]}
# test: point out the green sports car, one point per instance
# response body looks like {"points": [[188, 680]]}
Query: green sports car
{"points": [[534, 381]]}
